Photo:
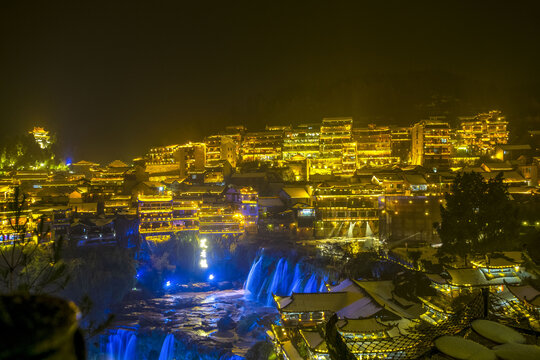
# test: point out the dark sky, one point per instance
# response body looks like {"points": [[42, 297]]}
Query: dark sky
{"points": [[113, 78]]}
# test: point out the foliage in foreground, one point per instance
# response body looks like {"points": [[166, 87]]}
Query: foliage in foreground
{"points": [[100, 277], [263, 350], [27, 264], [478, 217]]}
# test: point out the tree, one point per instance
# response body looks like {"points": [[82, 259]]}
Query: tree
{"points": [[101, 277], [262, 350], [478, 217], [28, 263], [337, 349]]}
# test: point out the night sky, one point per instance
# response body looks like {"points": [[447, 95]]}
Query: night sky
{"points": [[113, 78]]}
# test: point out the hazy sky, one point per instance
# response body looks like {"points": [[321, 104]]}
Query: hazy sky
{"points": [[113, 78]]}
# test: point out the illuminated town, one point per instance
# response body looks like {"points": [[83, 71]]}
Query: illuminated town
{"points": [[268, 203], [209, 182]]}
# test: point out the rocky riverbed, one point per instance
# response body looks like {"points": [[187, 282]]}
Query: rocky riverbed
{"points": [[218, 324]]}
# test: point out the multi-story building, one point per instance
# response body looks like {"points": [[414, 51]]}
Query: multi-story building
{"points": [[162, 155], [185, 215], [155, 217], [302, 141], [220, 147], [481, 133], [118, 204], [180, 159], [263, 146], [431, 145], [14, 225], [347, 210], [401, 143], [374, 146], [337, 149], [236, 133], [220, 219], [246, 202], [201, 209], [191, 158], [162, 159], [104, 185]]}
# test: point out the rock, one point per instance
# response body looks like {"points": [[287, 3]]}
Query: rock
{"points": [[225, 285], [200, 287], [463, 349], [513, 351], [226, 323], [496, 332], [184, 303]]}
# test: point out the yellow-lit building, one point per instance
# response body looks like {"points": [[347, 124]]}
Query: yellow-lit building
{"points": [[9, 223], [220, 147], [185, 215], [201, 209], [481, 133], [302, 140], [263, 146], [220, 219], [374, 146], [162, 159], [162, 155], [191, 158], [347, 210], [431, 145], [246, 202], [401, 143], [337, 148], [155, 217], [176, 158]]}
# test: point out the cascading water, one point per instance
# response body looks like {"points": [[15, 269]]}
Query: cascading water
{"points": [[279, 281], [369, 232], [296, 284], [322, 288], [254, 274], [350, 232], [269, 276], [167, 349], [121, 345], [311, 285]]}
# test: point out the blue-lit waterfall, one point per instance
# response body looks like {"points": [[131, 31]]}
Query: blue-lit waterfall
{"points": [[121, 345], [269, 275], [167, 349]]}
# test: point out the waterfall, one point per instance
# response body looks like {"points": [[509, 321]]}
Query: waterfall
{"points": [[369, 233], [263, 291], [254, 276], [311, 285], [322, 288], [332, 231], [269, 276], [131, 349], [167, 349], [350, 232], [121, 345], [280, 277], [296, 284]]}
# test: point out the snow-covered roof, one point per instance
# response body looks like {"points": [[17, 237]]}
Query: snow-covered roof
{"points": [[311, 302], [526, 293], [314, 340], [369, 325]]}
